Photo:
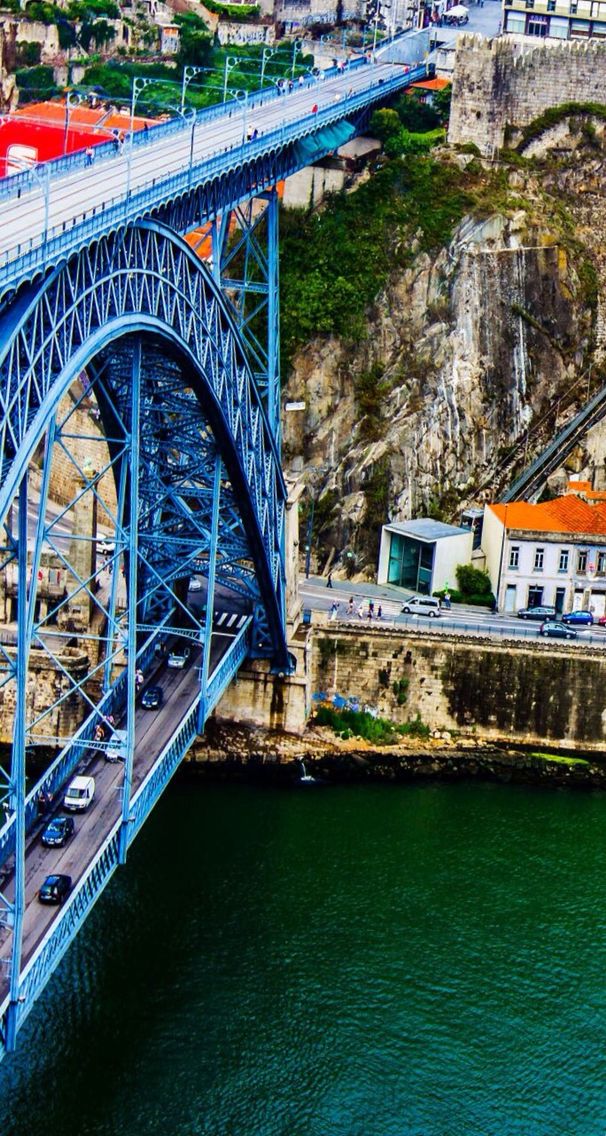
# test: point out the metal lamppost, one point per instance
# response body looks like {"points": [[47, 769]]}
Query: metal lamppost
{"points": [[190, 73], [231, 61], [72, 99], [267, 54], [296, 50], [242, 97]]}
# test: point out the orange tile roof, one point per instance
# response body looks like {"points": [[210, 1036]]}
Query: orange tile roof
{"points": [[568, 514], [432, 84], [583, 488]]}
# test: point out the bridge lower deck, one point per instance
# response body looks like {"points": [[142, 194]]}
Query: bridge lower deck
{"points": [[153, 731]]}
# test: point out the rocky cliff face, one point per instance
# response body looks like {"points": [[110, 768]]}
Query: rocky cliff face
{"points": [[470, 350]]}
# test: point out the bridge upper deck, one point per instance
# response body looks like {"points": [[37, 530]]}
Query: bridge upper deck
{"points": [[58, 208]]}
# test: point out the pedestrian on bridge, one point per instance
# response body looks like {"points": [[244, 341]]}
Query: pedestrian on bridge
{"points": [[139, 679]]}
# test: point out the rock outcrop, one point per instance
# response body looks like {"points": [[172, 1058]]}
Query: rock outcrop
{"points": [[480, 351]]}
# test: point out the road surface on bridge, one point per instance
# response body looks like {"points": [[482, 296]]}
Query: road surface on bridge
{"points": [[153, 731], [79, 192]]}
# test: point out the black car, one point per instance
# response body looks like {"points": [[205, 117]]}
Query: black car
{"points": [[543, 611], [58, 832], [152, 698], [554, 630], [55, 889]]}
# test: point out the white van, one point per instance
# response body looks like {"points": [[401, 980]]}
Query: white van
{"points": [[116, 748], [79, 794], [422, 605]]}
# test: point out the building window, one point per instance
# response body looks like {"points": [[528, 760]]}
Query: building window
{"points": [[551, 5], [573, 8], [582, 562], [601, 567], [538, 559], [514, 556], [537, 26], [516, 22], [564, 558]]}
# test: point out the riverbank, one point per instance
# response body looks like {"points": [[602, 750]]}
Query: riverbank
{"points": [[229, 752]]}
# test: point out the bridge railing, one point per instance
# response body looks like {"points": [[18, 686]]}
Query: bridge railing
{"points": [[125, 205], [17, 184]]}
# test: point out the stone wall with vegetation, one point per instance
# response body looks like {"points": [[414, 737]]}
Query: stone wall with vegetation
{"points": [[498, 83], [534, 693]]}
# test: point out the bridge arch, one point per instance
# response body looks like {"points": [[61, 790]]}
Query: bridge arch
{"points": [[145, 281]]}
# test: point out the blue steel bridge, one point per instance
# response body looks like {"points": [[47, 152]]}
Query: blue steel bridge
{"points": [[149, 384]]}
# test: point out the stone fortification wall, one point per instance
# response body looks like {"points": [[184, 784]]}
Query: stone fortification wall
{"points": [[534, 693], [498, 83]]}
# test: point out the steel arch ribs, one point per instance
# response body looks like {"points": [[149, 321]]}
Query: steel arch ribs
{"points": [[146, 279]]}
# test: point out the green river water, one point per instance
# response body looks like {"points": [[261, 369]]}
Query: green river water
{"points": [[354, 961]]}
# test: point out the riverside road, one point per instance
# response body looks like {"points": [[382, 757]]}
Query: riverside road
{"points": [[462, 618]]}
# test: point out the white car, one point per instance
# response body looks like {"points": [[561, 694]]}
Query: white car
{"points": [[195, 584], [179, 657], [422, 605], [79, 794], [116, 748]]}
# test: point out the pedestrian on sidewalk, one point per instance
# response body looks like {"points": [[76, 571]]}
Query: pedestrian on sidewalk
{"points": [[329, 580]]}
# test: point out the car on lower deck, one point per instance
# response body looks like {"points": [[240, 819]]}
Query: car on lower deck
{"points": [[553, 629], [578, 618], [58, 832], [55, 889], [179, 657], [152, 698], [542, 612]]}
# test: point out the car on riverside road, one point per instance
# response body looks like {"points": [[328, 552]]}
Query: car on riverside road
{"points": [[55, 889], [553, 629], [152, 698], [542, 612], [578, 618], [58, 832], [421, 605]]}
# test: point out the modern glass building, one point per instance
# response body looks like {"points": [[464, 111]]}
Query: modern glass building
{"points": [[422, 556]]}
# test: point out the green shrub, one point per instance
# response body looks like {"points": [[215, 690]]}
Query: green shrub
{"points": [[472, 581], [360, 724], [400, 689]]}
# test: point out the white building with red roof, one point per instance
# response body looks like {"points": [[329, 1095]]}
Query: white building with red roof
{"points": [[551, 553]]}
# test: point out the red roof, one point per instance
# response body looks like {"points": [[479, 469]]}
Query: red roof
{"points": [[568, 514], [431, 84]]}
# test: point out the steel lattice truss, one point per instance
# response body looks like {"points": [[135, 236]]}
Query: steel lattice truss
{"points": [[126, 368]]}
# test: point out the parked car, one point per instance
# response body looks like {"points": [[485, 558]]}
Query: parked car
{"points": [[179, 657], [58, 832], [578, 618], [79, 794], [116, 748], [421, 605], [55, 889], [542, 612], [553, 629], [152, 698]]}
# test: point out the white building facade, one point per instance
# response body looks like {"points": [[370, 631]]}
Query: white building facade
{"points": [[557, 558]]}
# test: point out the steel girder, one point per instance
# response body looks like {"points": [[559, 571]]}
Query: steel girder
{"points": [[147, 280]]}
